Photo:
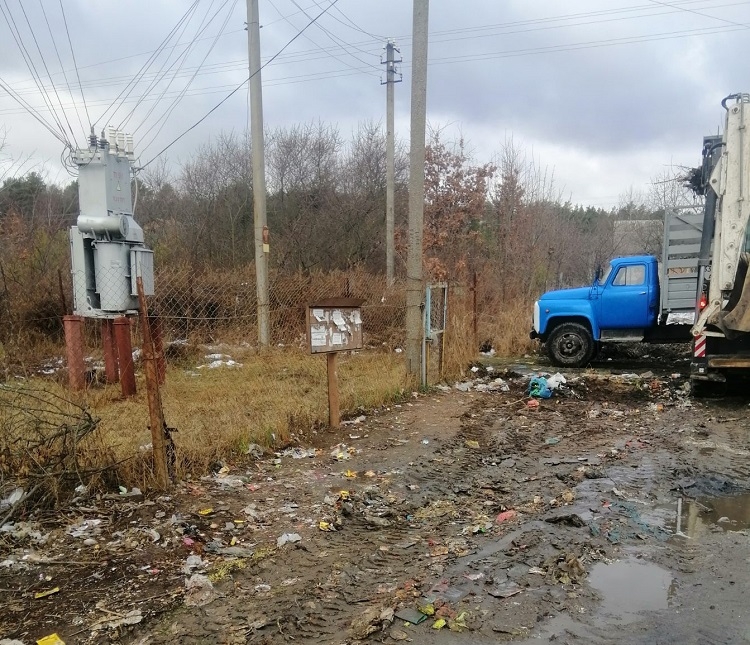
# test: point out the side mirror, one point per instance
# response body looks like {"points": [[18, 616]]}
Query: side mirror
{"points": [[597, 273]]}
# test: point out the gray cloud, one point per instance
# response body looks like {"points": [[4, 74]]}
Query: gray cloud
{"points": [[606, 94]]}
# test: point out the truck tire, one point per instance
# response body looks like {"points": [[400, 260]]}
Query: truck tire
{"points": [[570, 345]]}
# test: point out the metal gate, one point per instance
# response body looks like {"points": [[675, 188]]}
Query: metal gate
{"points": [[435, 321]]}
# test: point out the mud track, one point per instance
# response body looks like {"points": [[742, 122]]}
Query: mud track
{"points": [[557, 523]]}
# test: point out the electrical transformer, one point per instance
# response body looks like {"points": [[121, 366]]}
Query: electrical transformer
{"points": [[107, 248]]}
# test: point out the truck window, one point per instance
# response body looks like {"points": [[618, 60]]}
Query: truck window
{"points": [[630, 276]]}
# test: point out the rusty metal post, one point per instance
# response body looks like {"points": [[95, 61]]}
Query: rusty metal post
{"points": [[155, 410], [475, 314], [121, 327], [157, 338], [334, 417], [73, 327], [111, 374]]}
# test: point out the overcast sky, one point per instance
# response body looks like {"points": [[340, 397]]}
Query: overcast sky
{"points": [[605, 94]]}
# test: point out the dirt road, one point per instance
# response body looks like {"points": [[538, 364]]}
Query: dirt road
{"points": [[616, 511]]}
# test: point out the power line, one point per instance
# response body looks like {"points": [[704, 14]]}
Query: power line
{"points": [[161, 74], [75, 64], [44, 62], [339, 41], [134, 81], [240, 86], [698, 13], [179, 98], [406, 38], [320, 47], [59, 60], [11, 22], [316, 76]]}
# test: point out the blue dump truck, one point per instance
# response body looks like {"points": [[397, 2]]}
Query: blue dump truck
{"points": [[698, 291]]}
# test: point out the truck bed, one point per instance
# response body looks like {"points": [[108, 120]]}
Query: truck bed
{"points": [[679, 270]]}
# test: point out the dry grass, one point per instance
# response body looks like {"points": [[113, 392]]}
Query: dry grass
{"points": [[218, 412]]}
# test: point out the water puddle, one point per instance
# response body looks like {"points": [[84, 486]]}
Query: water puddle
{"points": [[631, 586], [731, 513]]}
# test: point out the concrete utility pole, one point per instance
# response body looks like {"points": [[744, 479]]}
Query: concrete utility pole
{"points": [[259, 174], [414, 279], [390, 153]]}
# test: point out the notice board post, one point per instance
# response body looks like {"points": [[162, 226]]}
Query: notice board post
{"points": [[334, 325]]}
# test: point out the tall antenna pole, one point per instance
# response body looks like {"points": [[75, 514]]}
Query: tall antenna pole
{"points": [[390, 153], [414, 279], [262, 248]]}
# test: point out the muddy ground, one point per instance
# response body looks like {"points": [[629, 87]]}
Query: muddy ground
{"points": [[616, 511]]}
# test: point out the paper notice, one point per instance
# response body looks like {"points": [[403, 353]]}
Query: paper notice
{"points": [[356, 318], [338, 320], [318, 336], [337, 339], [319, 315]]}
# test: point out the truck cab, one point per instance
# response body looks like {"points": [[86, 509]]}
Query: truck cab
{"points": [[622, 304]]}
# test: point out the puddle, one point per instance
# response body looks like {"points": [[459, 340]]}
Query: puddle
{"points": [[631, 586], [730, 513]]}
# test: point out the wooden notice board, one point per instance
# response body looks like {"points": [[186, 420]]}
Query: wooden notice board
{"points": [[334, 325]]}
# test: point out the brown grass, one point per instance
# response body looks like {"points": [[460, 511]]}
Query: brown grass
{"points": [[271, 400]]}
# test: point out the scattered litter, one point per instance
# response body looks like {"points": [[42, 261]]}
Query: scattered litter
{"points": [[254, 450], [532, 404], [471, 443], [44, 594], [205, 511], [133, 617], [505, 590], [350, 474], [505, 516], [52, 639], [342, 452], [356, 421], [411, 616], [192, 562], [287, 537], [554, 381], [552, 441], [463, 387], [299, 453], [538, 388], [439, 623], [326, 526], [12, 499], [200, 591]]}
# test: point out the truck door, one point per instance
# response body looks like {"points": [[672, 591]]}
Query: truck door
{"points": [[625, 299]]}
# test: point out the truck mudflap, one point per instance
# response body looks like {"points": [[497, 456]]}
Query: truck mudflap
{"points": [[736, 315]]}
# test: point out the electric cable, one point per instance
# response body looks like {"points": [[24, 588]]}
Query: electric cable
{"points": [[159, 76], [59, 60], [179, 98], [339, 41], [44, 62], [11, 22], [75, 64], [320, 47], [240, 86], [134, 81]]}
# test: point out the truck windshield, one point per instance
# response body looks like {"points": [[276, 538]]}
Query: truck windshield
{"points": [[605, 275]]}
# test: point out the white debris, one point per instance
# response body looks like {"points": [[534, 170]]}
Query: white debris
{"points": [[288, 537]]}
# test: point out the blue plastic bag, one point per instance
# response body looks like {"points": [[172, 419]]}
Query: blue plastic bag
{"points": [[538, 388]]}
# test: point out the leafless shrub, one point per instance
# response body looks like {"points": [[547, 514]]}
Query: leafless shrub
{"points": [[47, 448]]}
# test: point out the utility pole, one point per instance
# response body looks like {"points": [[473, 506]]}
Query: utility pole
{"points": [[414, 279], [390, 153], [259, 174]]}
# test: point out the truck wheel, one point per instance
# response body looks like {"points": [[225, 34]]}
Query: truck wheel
{"points": [[570, 345]]}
